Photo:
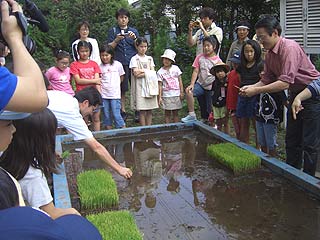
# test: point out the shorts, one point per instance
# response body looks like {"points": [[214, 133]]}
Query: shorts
{"points": [[126, 78], [219, 112], [267, 134], [171, 103], [246, 107]]}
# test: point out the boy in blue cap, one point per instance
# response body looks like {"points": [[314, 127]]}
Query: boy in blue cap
{"points": [[233, 92]]}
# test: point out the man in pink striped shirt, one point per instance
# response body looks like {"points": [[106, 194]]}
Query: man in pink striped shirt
{"points": [[288, 67]]}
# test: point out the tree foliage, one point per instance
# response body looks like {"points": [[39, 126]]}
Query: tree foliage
{"points": [[63, 18], [228, 13], [151, 18]]}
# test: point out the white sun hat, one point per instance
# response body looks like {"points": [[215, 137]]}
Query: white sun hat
{"points": [[170, 54]]}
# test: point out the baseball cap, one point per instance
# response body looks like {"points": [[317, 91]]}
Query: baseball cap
{"points": [[236, 57], [9, 115], [27, 223]]}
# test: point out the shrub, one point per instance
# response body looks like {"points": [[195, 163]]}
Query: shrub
{"points": [[116, 225], [238, 159], [97, 189]]}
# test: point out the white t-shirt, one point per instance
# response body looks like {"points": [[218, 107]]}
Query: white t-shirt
{"points": [[66, 109], [110, 80], [35, 189], [95, 54], [170, 81], [145, 62]]}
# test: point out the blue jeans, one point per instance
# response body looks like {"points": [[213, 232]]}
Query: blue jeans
{"points": [[267, 134], [111, 108], [204, 98], [303, 136]]}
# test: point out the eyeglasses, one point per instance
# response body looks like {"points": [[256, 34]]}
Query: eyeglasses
{"points": [[64, 63], [96, 108], [261, 37]]}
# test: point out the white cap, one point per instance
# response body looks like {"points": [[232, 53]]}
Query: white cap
{"points": [[170, 54]]}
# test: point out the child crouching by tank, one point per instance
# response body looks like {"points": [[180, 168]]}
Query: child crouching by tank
{"points": [[171, 90], [30, 158], [202, 79], [219, 95]]}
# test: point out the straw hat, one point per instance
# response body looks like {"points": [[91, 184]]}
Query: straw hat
{"points": [[170, 54], [220, 65]]}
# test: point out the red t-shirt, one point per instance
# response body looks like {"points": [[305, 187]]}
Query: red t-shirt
{"points": [[232, 91], [84, 70]]}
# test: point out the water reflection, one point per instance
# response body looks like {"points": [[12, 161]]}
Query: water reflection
{"points": [[178, 192]]}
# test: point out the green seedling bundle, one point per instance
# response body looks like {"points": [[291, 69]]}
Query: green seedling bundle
{"points": [[238, 159], [116, 225], [97, 190]]}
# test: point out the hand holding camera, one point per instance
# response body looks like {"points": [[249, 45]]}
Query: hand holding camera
{"points": [[195, 24], [10, 30], [125, 33], [14, 23]]}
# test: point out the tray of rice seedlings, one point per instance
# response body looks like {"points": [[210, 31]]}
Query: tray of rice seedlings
{"points": [[116, 225], [97, 190], [239, 160]]}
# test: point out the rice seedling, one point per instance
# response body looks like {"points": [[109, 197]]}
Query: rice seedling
{"points": [[116, 225], [97, 190], [238, 159], [65, 154]]}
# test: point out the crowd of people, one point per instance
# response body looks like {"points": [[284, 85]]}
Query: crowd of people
{"points": [[248, 88]]}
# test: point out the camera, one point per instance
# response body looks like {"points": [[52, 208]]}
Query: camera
{"points": [[124, 32], [196, 24], [31, 15]]}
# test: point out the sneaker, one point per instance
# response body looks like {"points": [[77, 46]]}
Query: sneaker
{"points": [[189, 118]]}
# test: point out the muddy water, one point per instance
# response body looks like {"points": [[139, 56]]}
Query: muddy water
{"points": [[178, 192]]}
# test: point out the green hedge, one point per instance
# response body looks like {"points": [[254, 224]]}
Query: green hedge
{"points": [[97, 189], [116, 225], [238, 159]]}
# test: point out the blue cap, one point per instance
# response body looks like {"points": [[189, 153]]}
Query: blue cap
{"points": [[9, 115], [236, 57], [26, 223]]}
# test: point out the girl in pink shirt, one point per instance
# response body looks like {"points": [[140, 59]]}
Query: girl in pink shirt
{"points": [[59, 75]]}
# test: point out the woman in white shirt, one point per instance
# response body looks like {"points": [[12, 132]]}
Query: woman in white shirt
{"points": [[83, 30]]}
